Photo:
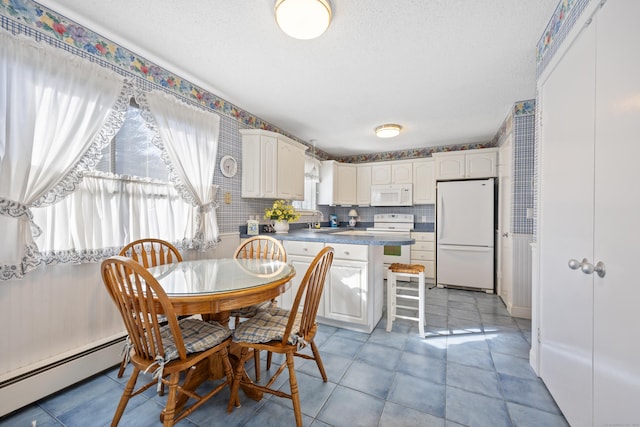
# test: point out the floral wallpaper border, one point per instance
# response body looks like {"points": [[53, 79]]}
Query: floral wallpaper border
{"points": [[520, 109], [58, 27], [524, 108], [33, 15], [412, 153], [561, 22]]}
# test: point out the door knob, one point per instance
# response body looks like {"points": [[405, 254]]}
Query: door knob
{"points": [[574, 264], [587, 268], [600, 269], [505, 234]]}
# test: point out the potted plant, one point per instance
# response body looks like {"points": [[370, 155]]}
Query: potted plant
{"points": [[281, 213]]}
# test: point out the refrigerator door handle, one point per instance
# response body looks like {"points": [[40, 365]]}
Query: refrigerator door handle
{"points": [[439, 216], [466, 248]]}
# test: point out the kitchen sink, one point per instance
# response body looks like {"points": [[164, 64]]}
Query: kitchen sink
{"points": [[321, 229], [353, 233]]}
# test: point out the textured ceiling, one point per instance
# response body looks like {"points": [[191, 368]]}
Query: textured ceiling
{"points": [[448, 71]]}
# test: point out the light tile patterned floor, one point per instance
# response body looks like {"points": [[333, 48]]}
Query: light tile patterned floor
{"points": [[471, 370]]}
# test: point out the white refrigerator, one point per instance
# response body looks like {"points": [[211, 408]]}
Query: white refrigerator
{"points": [[465, 229]]}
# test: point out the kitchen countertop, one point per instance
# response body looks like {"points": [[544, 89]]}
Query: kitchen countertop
{"points": [[352, 236]]}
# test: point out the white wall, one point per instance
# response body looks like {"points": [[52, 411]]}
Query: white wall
{"points": [[57, 311]]}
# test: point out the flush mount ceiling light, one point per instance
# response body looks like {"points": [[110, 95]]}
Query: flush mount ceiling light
{"points": [[388, 131], [303, 19]]}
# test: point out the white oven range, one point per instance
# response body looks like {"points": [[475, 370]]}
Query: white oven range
{"points": [[397, 224]]}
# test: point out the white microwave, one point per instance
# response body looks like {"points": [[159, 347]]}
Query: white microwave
{"points": [[392, 195]]}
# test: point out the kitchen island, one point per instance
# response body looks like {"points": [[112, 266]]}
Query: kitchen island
{"points": [[353, 294]]}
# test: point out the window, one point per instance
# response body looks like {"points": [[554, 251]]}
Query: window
{"points": [[311, 179], [127, 198], [131, 151]]}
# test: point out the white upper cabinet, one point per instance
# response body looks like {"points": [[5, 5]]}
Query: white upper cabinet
{"points": [[349, 184], [400, 172], [363, 185], [424, 182], [291, 168], [262, 153], [337, 183], [479, 163], [347, 176], [381, 173]]}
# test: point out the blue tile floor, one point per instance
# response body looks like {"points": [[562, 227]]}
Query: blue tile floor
{"points": [[472, 369]]}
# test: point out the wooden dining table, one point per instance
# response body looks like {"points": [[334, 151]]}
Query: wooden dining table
{"points": [[214, 287]]}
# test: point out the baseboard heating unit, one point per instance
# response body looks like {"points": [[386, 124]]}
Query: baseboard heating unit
{"points": [[35, 382]]}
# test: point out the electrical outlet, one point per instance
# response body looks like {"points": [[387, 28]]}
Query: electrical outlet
{"points": [[529, 213], [424, 218], [227, 198]]}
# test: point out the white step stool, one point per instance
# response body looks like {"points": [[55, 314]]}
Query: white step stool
{"points": [[409, 271]]}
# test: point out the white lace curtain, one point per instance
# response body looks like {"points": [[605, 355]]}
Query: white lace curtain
{"points": [[189, 138], [311, 179], [60, 111], [105, 213]]}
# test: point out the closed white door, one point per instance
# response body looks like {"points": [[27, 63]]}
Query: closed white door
{"points": [[589, 348], [505, 251], [617, 204], [567, 99]]}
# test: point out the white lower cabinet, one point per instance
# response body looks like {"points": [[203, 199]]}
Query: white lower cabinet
{"points": [[300, 254], [346, 292], [353, 292], [352, 297], [423, 252], [346, 289]]}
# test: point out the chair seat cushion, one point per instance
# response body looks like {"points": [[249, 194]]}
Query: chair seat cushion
{"points": [[267, 325], [252, 310], [197, 336]]}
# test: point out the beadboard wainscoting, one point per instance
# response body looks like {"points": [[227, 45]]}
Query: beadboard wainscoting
{"points": [[521, 297], [60, 327]]}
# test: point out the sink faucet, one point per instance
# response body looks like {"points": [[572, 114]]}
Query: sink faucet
{"points": [[320, 215]]}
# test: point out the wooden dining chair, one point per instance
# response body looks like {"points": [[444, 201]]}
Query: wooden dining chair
{"points": [[285, 332], [149, 252], [167, 351], [258, 247]]}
